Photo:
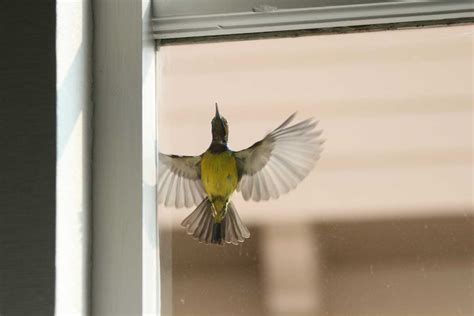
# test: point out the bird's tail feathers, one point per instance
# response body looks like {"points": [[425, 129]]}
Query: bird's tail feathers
{"points": [[201, 225], [234, 230]]}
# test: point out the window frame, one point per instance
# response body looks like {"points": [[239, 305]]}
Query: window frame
{"points": [[125, 269], [125, 276], [270, 21]]}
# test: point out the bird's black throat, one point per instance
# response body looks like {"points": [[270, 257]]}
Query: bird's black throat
{"points": [[218, 147]]}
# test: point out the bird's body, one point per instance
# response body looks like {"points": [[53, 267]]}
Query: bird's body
{"points": [[219, 177], [267, 169]]}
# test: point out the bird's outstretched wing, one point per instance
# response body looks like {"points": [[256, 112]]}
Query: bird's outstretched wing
{"points": [[277, 163], [179, 181]]}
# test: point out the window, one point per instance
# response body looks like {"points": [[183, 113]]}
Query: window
{"points": [[340, 221], [384, 218]]}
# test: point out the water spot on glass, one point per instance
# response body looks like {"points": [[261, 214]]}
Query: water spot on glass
{"points": [[423, 271]]}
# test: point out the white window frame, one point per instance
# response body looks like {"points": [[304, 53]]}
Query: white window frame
{"points": [[267, 19], [125, 268], [124, 277]]}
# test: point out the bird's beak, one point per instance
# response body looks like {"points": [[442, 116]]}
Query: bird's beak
{"points": [[217, 112]]}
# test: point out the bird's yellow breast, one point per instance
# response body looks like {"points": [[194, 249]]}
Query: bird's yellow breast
{"points": [[219, 175]]}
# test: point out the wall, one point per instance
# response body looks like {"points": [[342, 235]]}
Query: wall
{"points": [[27, 159], [394, 267], [395, 108]]}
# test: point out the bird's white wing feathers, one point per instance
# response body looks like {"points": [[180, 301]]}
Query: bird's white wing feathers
{"points": [[282, 159], [179, 181]]}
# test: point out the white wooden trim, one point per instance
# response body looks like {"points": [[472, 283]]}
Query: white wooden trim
{"points": [[308, 18], [124, 258], [74, 134]]}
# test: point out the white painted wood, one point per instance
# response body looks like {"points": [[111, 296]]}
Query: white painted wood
{"points": [[74, 65], [274, 19], [150, 264], [124, 275]]}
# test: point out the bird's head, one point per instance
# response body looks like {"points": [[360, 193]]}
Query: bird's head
{"points": [[220, 128]]}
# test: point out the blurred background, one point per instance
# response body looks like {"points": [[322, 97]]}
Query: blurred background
{"points": [[382, 226]]}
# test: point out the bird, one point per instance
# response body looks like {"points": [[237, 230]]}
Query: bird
{"points": [[269, 168]]}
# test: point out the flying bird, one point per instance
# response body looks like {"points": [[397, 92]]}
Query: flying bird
{"points": [[267, 169]]}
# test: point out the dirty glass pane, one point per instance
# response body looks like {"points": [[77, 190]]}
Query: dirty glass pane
{"points": [[382, 226]]}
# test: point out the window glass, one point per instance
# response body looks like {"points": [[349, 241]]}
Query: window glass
{"points": [[382, 225]]}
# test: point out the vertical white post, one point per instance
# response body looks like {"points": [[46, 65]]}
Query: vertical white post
{"points": [[74, 134], [124, 260], [150, 263]]}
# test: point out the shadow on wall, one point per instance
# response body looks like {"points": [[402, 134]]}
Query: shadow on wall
{"points": [[361, 268]]}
